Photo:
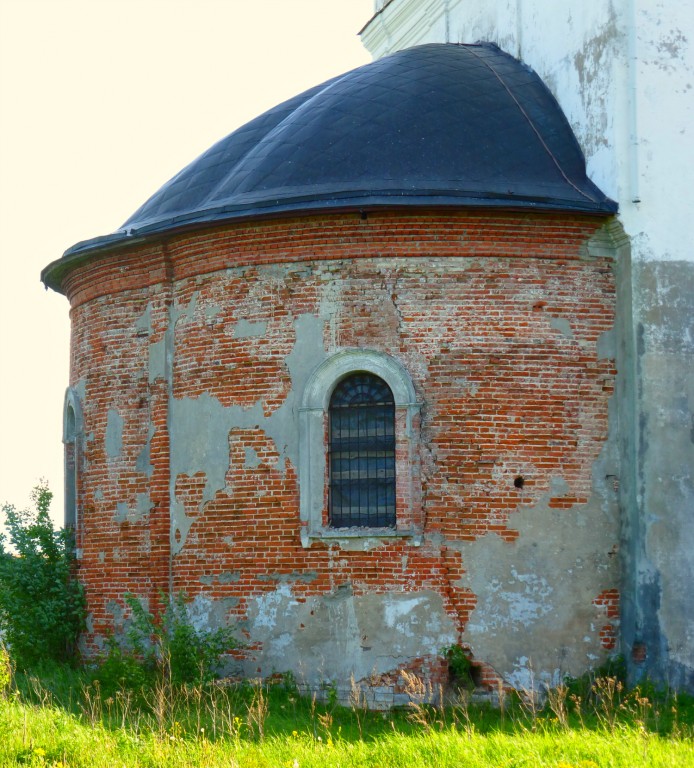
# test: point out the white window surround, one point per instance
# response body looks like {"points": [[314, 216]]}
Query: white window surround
{"points": [[313, 448]]}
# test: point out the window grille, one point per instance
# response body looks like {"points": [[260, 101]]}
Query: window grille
{"points": [[362, 453]]}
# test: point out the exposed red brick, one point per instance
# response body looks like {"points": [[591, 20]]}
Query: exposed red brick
{"points": [[465, 300]]}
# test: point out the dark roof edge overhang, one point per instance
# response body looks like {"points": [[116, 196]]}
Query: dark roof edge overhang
{"points": [[52, 275]]}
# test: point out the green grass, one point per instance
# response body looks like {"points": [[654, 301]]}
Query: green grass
{"points": [[62, 718]]}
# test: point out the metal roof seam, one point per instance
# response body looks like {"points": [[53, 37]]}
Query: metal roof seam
{"points": [[532, 125]]}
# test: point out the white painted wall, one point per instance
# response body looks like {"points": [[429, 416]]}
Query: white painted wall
{"points": [[622, 71]]}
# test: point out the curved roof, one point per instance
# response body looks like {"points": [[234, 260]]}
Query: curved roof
{"points": [[433, 125]]}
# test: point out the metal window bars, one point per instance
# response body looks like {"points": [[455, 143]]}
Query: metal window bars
{"points": [[362, 453]]}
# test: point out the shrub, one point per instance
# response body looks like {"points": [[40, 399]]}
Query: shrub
{"points": [[169, 644], [5, 670], [42, 607], [121, 670]]}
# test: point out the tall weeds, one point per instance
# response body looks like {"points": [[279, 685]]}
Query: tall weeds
{"points": [[204, 716]]}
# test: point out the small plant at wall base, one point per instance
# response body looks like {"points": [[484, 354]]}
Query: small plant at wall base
{"points": [[42, 606], [172, 644], [459, 666]]}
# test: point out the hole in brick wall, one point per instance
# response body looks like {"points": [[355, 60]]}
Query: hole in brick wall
{"points": [[519, 482]]}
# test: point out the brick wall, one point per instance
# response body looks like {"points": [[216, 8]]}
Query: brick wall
{"points": [[496, 318]]}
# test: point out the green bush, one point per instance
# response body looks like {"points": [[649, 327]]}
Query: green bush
{"points": [[168, 644], [5, 671], [121, 670], [42, 606]]}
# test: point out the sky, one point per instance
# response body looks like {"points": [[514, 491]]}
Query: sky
{"points": [[101, 102]]}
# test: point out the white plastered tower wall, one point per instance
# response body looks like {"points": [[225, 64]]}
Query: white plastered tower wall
{"points": [[623, 73]]}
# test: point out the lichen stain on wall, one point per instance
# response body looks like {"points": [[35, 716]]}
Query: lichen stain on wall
{"points": [[592, 64]]}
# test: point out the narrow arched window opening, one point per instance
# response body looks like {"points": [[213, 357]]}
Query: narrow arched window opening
{"points": [[70, 443], [72, 435], [361, 454]]}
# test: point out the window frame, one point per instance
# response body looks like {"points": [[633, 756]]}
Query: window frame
{"points": [[313, 448]]}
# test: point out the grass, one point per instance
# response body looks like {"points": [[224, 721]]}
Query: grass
{"points": [[63, 718]]}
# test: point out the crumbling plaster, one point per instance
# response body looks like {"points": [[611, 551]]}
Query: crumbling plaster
{"points": [[527, 591], [535, 620], [338, 635], [195, 450], [623, 73], [664, 476]]}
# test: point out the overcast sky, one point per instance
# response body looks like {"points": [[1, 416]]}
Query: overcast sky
{"points": [[101, 102]]}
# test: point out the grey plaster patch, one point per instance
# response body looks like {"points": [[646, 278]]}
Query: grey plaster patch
{"points": [[666, 305], [245, 329], [660, 559], [116, 611], [142, 508], [114, 434], [80, 388], [302, 576], [180, 527], [562, 325], [121, 512], [186, 313], [143, 462], [143, 324], [206, 613], [535, 594], [335, 636], [252, 460], [558, 487], [200, 427], [607, 345], [671, 49], [157, 360], [211, 312], [227, 577], [364, 539], [592, 65]]}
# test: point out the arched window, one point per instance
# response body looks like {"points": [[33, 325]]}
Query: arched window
{"points": [[361, 453], [70, 443], [72, 432]]}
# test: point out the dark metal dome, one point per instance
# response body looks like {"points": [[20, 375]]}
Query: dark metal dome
{"points": [[434, 125]]}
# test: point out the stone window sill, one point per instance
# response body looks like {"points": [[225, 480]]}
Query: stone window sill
{"points": [[358, 534]]}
